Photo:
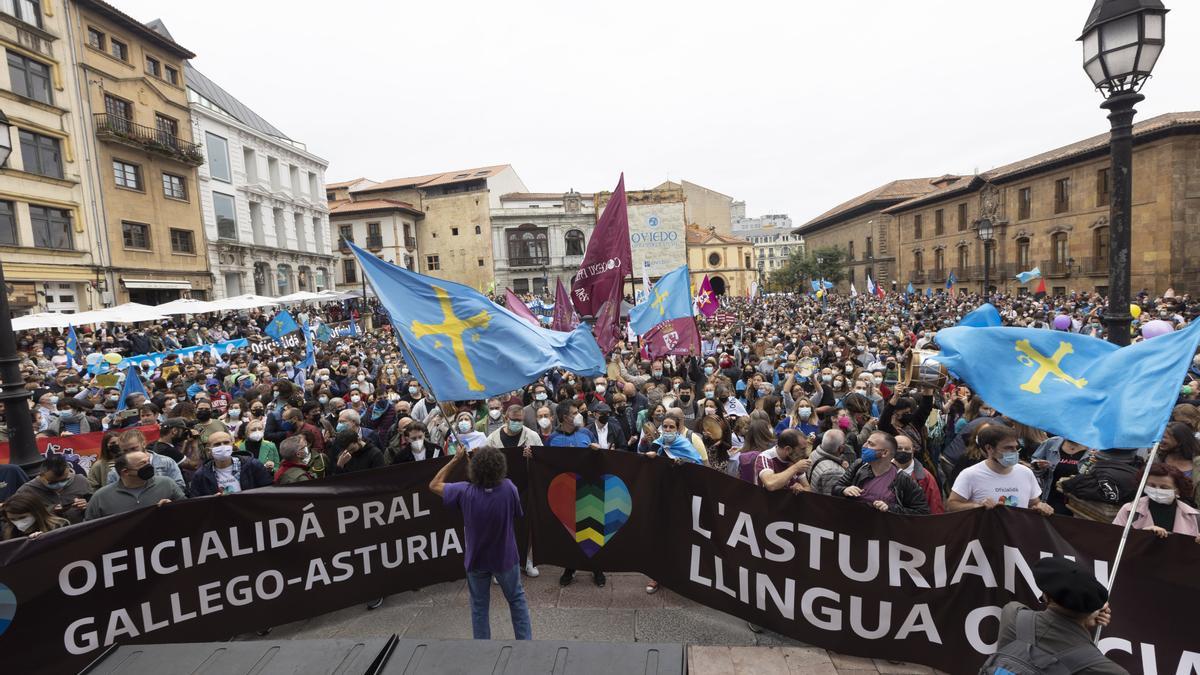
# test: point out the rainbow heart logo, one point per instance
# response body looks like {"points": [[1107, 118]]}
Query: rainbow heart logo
{"points": [[8, 607], [592, 511]]}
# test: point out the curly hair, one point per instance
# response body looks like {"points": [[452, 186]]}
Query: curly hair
{"points": [[1182, 483], [487, 468]]}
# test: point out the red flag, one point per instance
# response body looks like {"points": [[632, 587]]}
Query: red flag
{"points": [[1041, 289], [564, 318], [674, 336], [517, 306], [706, 300], [879, 290], [606, 262]]}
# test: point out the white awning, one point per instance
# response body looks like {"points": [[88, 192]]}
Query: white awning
{"points": [[156, 283]]}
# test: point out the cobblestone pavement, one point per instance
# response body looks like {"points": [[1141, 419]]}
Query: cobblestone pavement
{"points": [[619, 612]]}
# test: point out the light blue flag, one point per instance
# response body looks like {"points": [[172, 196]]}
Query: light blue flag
{"points": [[1026, 277], [929, 292], [951, 280], [281, 324], [671, 298], [467, 346], [816, 285], [1075, 386], [72, 347], [354, 332], [133, 385], [981, 317], [310, 356], [323, 333], [826, 284], [910, 289]]}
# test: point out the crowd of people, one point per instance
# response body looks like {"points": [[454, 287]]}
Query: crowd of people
{"points": [[801, 394]]}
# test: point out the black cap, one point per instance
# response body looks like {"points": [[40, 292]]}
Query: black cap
{"points": [[1070, 584], [600, 407], [174, 423]]}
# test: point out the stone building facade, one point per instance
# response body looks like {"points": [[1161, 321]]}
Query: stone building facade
{"points": [[539, 238], [726, 260], [1051, 211]]}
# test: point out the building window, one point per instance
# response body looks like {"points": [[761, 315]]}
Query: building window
{"points": [[939, 222], [939, 260], [1062, 195], [119, 112], [1024, 203], [182, 241], [480, 261], [964, 256], [851, 251], [127, 175], [250, 164], [225, 209], [918, 261], [478, 230], [29, 78], [29, 11], [528, 246], [917, 226], [42, 154], [136, 235], [1059, 250], [454, 231], [119, 50], [574, 242], [374, 236], [520, 286], [301, 236], [218, 157], [172, 74], [714, 259], [283, 278], [851, 276], [51, 227], [962, 217], [870, 249], [8, 224], [174, 186], [432, 263], [1100, 248], [345, 236], [95, 38], [1023, 254], [167, 128], [314, 187], [273, 172], [153, 66], [1102, 188]]}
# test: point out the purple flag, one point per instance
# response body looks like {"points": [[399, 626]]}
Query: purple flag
{"points": [[608, 259], [706, 300], [517, 306], [676, 336], [564, 318]]}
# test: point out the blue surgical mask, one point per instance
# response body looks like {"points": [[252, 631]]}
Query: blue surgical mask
{"points": [[669, 437], [514, 426], [710, 395], [869, 455], [1009, 458], [708, 370], [341, 426]]}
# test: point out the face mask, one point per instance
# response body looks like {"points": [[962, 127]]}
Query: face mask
{"points": [[601, 389], [514, 426], [844, 423], [804, 413], [1009, 458], [657, 374], [235, 413], [544, 422], [391, 371], [58, 484], [255, 436], [114, 398], [323, 400], [53, 400], [669, 437], [849, 369], [869, 455], [341, 426], [659, 418], [710, 411], [540, 396], [464, 426], [903, 457], [494, 413], [710, 395], [417, 444], [1161, 495], [222, 452], [826, 378], [23, 523], [355, 399], [708, 370], [146, 472], [578, 420], [412, 391], [861, 391], [602, 419], [204, 415], [878, 381]]}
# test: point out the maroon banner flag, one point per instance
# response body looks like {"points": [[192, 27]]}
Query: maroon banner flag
{"points": [[514, 304], [706, 300], [565, 319], [606, 263], [675, 336]]}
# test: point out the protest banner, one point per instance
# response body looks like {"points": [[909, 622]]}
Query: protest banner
{"points": [[84, 445], [217, 350], [831, 572]]}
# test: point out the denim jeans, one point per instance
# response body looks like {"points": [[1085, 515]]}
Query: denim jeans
{"points": [[479, 583]]}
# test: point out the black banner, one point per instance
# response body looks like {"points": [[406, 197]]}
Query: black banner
{"points": [[827, 571]]}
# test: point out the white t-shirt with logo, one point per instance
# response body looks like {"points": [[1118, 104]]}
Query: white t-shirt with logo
{"points": [[1015, 488]]}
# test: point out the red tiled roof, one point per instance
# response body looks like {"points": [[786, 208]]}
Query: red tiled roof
{"points": [[343, 207], [344, 184], [146, 32], [886, 195], [699, 237], [435, 179]]}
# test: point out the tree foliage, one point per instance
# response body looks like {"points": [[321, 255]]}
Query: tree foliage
{"points": [[828, 263]]}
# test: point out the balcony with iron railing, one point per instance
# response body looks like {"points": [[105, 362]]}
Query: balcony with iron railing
{"points": [[127, 132], [917, 276], [375, 242], [539, 261], [410, 243], [937, 275], [1055, 268], [1096, 267], [343, 246]]}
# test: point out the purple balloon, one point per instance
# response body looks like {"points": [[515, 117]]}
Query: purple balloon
{"points": [[1062, 322], [1152, 329]]}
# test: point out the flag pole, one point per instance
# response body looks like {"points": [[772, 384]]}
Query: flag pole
{"points": [[1112, 577]]}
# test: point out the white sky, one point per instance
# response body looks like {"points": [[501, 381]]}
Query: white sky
{"points": [[791, 106]]}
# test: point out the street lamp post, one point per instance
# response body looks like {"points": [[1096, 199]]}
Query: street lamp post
{"points": [[1121, 43], [986, 232], [14, 395]]}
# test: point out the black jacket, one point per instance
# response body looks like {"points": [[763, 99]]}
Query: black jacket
{"points": [[616, 435], [1113, 479], [910, 498], [250, 474]]}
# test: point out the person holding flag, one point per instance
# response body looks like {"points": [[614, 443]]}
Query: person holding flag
{"points": [[281, 324], [664, 320]]}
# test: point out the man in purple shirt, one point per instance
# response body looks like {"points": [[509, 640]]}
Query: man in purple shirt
{"points": [[489, 503]]}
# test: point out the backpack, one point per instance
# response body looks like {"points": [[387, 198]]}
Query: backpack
{"points": [[746, 465], [1023, 656]]}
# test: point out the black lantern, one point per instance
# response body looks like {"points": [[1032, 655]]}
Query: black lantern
{"points": [[986, 232], [1121, 43]]}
